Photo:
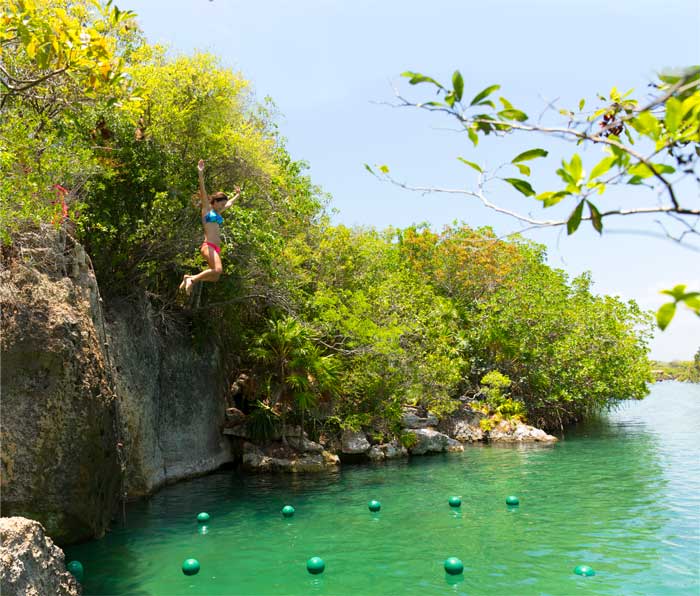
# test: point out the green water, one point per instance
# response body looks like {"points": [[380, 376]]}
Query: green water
{"points": [[621, 495]]}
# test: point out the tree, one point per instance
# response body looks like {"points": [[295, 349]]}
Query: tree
{"points": [[652, 145], [58, 58], [298, 373], [57, 53]]}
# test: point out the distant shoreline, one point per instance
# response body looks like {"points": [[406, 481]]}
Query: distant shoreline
{"points": [[686, 371]]}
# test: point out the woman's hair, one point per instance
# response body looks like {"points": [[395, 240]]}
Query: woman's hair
{"points": [[217, 196]]}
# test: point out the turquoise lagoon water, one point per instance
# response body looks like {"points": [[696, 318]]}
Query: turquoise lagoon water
{"points": [[621, 494]]}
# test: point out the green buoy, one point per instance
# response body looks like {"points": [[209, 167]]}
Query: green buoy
{"points": [[453, 566], [512, 500], [203, 517], [455, 502], [584, 570], [374, 506], [315, 565], [76, 570], [288, 511], [190, 567]]}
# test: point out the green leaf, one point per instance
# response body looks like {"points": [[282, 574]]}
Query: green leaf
{"points": [[384, 169], [522, 186], [596, 218], [506, 104], [581, 104], [601, 167], [529, 154], [524, 170], [677, 292], [643, 171], [458, 84], [416, 77], [471, 164], [693, 303], [485, 93], [665, 314], [370, 170], [564, 174], [575, 219], [473, 137], [450, 99], [673, 114], [550, 198], [513, 114], [576, 168], [646, 123]]}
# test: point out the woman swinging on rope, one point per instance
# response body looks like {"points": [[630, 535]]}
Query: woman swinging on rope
{"points": [[212, 207]]}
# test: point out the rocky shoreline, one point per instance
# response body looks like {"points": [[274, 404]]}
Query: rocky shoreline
{"points": [[422, 433]]}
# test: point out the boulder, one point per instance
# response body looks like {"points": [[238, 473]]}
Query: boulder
{"points": [[304, 445], [234, 416], [30, 563], [411, 419], [518, 432], [463, 424], [430, 441], [384, 451], [394, 449], [282, 459], [354, 442], [467, 433], [376, 453]]}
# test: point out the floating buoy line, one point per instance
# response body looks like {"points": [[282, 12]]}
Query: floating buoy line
{"points": [[316, 565]]}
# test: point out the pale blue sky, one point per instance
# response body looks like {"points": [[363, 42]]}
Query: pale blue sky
{"points": [[329, 65]]}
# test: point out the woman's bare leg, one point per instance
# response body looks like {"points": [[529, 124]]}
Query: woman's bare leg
{"points": [[211, 275]]}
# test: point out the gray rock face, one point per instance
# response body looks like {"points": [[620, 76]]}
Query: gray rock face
{"points": [[74, 385], [354, 442], [463, 425], [411, 419], [171, 398], [30, 563], [432, 441], [59, 462], [467, 433]]}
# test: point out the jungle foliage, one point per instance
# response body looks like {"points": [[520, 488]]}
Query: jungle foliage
{"points": [[338, 327]]}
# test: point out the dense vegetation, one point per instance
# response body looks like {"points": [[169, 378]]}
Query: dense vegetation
{"points": [[337, 327]]}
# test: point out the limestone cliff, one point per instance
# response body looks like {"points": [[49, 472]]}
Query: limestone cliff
{"points": [[171, 400], [59, 455], [94, 405]]}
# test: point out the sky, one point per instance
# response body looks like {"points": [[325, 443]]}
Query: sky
{"points": [[333, 69]]}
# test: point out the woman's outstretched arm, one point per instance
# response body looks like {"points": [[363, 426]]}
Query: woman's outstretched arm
{"points": [[203, 197], [232, 200]]}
